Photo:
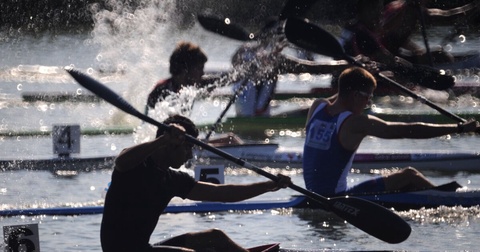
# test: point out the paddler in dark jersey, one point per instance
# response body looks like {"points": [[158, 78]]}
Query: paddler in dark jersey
{"points": [[146, 178], [186, 68]]}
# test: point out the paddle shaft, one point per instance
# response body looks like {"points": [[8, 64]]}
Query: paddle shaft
{"points": [[360, 213], [230, 103], [422, 99], [424, 31]]}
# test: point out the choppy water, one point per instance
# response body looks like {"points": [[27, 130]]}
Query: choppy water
{"points": [[134, 57]]}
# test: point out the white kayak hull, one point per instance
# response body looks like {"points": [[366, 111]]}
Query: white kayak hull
{"points": [[277, 157], [272, 155]]}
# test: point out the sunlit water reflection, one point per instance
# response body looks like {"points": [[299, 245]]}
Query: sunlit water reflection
{"points": [[129, 54]]}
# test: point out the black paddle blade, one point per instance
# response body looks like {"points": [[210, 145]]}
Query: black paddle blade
{"points": [[99, 89], [313, 38], [372, 218], [108, 95], [425, 76], [223, 27]]}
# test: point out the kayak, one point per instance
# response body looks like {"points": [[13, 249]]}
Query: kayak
{"points": [[271, 155], [93, 131], [462, 61], [294, 120], [197, 207], [275, 247], [464, 84], [59, 165], [274, 156], [445, 195], [59, 97]]}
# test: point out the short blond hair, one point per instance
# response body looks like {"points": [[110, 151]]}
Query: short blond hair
{"points": [[355, 79]]}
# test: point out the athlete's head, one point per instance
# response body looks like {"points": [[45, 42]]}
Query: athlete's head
{"points": [[355, 79], [186, 57], [186, 123]]}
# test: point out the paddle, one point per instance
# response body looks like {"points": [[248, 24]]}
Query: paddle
{"points": [[321, 41], [313, 38], [224, 112], [365, 215], [423, 26], [225, 27], [446, 187], [422, 99], [292, 8]]}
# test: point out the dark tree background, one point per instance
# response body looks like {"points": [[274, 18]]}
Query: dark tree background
{"points": [[76, 15]]}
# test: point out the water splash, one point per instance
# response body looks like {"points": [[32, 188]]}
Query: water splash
{"points": [[129, 38], [130, 43]]}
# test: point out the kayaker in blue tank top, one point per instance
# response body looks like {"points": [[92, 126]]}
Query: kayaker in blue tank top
{"points": [[322, 135], [335, 128]]}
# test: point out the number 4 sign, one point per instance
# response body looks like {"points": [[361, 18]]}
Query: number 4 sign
{"points": [[66, 139], [21, 238]]}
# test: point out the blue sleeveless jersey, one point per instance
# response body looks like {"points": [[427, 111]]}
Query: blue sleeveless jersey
{"points": [[326, 162]]}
